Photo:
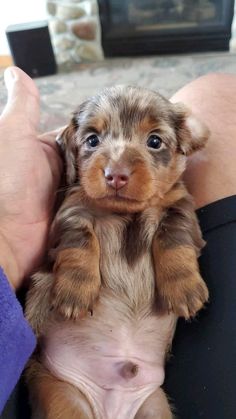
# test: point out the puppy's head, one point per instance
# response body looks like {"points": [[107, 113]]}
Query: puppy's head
{"points": [[127, 145]]}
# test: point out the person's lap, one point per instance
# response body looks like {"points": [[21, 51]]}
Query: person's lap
{"points": [[201, 374]]}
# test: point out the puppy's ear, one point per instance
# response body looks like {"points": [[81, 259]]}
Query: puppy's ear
{"points": [[192, 134], [67, 145]]}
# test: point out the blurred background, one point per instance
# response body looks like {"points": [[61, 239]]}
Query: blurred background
{"points": [[75, 47]]}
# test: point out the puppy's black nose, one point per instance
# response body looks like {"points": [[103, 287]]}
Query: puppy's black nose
{"points": [[117, 179]]}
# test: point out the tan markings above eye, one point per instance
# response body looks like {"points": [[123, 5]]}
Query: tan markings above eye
{"points": [[97, 123], [88, 130], [148, 124]]}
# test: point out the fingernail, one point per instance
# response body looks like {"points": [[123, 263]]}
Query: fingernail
{"points": [[9, 77]]}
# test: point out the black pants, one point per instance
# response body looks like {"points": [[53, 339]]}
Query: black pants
{"points": [[201, 374]]}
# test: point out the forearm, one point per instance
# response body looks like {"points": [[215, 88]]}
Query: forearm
{"points": [[17, 340]]}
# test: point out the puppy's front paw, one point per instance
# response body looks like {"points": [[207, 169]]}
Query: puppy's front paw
{"points": [[184, 297], [74, 293]]}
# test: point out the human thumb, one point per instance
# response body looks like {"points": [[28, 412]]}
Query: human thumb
{"points": [[23, 98]]}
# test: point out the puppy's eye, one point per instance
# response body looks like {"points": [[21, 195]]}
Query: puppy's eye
{"points": [[154, 141], [92, 140]]}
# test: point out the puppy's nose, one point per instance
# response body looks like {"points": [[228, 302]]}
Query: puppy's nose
{"points": [[117, 179]]}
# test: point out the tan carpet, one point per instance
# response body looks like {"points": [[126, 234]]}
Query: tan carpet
{"points": [[61, 93]]}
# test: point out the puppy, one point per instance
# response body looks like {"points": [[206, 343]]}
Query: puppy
{"points": [[122, 260]]}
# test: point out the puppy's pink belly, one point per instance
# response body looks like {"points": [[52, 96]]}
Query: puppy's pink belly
{"points": [[117, 368], [111, 394], [108, 372], [107, 381]]}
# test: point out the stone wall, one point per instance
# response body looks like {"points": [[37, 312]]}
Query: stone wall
{"points": [[75, 30], [233, 39]]}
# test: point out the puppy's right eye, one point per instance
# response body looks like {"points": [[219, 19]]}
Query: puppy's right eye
{"points": [[154, 141], [92, 140]]}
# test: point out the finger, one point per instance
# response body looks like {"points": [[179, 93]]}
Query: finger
{"points": [[55, 162], [48, 139], [23, 98], [51, 136]]}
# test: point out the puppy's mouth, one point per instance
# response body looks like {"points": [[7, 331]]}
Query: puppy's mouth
{"points": [[120, 203], [117, 196]]}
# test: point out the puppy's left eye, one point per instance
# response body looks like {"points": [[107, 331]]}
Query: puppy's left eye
{"points": [[154, 141], [92, 140]]}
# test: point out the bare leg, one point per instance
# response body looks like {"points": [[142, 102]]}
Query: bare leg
{"points": [[211, 173], [55, 399], [155, 407]]}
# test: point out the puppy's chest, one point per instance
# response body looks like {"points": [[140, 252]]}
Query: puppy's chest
{"points": [[125, 244]]}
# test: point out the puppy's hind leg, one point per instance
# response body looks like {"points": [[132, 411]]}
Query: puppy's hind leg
{"points": [[54, 399], [155, 407]]}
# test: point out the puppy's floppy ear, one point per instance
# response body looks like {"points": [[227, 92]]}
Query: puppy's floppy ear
{"points": [[67, 145], [192, 134]]}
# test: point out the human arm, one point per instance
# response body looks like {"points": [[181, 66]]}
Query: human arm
{"points": [[29, 175]]}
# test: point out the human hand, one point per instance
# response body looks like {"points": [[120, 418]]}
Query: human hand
{"points": [[30, 169]]}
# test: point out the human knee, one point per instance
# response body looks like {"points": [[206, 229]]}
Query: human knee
{"points": [[208, 85], [214, 81]]}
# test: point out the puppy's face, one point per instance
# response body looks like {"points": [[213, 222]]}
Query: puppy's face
{"points": [[128, 145]]}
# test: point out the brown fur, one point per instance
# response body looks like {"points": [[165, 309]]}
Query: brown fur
{"points": [[120, 252], [156, 406], [77, 280], [55, 398], [175, 246]]}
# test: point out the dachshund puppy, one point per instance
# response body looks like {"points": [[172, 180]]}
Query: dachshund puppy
{"points": [[122, 260]]}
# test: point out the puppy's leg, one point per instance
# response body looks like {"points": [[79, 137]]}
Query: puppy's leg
{"points": [[155, 407], [77, 280], [55, 399], [176, 247], [38, 300], [76, 271]]}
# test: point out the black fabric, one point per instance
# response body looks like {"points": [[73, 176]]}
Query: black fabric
{"points": [[18, 406], [201, 374]]}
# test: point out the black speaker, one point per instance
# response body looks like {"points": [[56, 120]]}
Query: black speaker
{"points": [[31, 48]]}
